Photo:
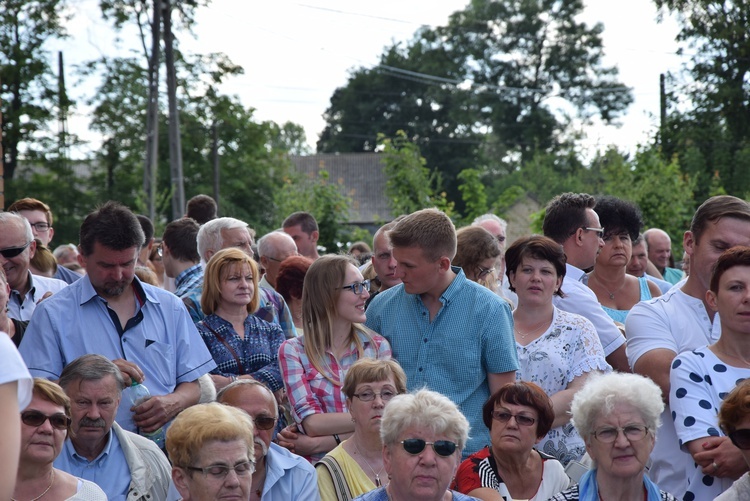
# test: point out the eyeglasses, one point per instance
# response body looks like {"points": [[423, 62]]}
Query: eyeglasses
{"points": [[415, 446], [13, 251], [633, 432], [220, 471], [599, 231], [483, 272], [741, 438], [159, 251], [264, 422], [521, 420], [40, 226], [500, 239], [35, 418], [357, 287], [369, 396]]}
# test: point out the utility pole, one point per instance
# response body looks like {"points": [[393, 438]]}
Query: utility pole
{"points": [[175, 146], [215, 158], [662, 107], [152, 116]]}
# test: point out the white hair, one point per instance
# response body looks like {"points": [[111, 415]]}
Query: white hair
{"points": [[210, 238], [490, 217]]}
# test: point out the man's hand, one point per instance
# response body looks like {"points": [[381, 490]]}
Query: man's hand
{"points": [[718, 457], [155, 412], [130, 371]]}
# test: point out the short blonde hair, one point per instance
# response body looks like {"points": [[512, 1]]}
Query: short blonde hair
{"points": [[370, 370], [429, 229], [194, 427], [218, 269], [53, 392]]}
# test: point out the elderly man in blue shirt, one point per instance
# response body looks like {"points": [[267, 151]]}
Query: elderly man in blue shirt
{"points": [[448, 333], [125, 465], [144, 330]]}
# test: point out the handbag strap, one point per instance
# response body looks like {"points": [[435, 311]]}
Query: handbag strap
{"points": [[240, 366], [337, 475]]}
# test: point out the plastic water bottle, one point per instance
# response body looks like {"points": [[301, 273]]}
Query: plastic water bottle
{"points": [[139, 394]]}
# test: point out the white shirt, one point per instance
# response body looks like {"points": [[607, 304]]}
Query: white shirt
{"points": [[38, 287], [677, 322]]}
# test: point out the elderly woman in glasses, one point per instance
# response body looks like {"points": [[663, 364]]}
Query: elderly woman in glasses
{"points": [[617, 414], [518, 415], [356, 466], [423, 434], [477, 252], [700, 379], [212, 450], [734, 420], [314, 365], [44, 425]]}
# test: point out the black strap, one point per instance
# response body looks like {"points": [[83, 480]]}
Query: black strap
{"points": [[240, 366]]}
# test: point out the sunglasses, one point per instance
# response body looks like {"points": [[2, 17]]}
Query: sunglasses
{"points": [[358, 287], [13, 251], [741, 438], [35, 418], [415, 446], [264, 422]]}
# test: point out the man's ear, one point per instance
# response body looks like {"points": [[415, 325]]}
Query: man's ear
{"points": [[314, 236], [51, 233], [444, 263], [712, 300], [32, 249]]}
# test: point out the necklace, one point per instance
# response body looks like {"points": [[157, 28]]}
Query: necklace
{"points": [[611, 294], [40, 496], [537, 329], [378, 483]]}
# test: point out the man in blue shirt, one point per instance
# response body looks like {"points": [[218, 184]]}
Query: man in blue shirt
{"points": [[144, 330], [122, 463], [448, 333]]}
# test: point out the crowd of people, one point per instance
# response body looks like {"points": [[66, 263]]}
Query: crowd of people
{"points": [[434, 364]]}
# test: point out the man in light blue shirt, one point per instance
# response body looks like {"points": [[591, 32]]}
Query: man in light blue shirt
{"points": [[125, 465], [448, 333], [144, 330]]}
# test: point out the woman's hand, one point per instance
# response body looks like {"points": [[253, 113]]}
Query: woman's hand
{"points": [[718, 457]]}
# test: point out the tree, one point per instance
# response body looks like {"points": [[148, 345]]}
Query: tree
{"points": [[27, 84]]}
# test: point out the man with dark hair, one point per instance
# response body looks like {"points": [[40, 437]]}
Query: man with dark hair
{"points": [[144, 330], [179, 249], [682, 320], [570, 220], [124, 464], [39, 216], [448, 333], [148, 232], [201, 208], [303, 228]]}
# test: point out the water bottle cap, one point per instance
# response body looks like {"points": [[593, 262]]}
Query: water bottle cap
{"points": [[134, 383]]}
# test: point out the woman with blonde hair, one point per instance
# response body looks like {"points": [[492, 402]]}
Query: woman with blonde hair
{"points": [[314, 365], [242, 345]]}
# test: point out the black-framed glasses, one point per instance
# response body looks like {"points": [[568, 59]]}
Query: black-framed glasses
{"points": [[220, 471], [415, 446], [633, 432], [35, 418], [13, 251], [504, 417], [483, 272], [599, 231], [741, 438], [369, 395], [358, 287], [41, 226], [264, 422]]}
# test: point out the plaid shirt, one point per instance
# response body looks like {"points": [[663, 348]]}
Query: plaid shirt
{"points": [[189, 280]]}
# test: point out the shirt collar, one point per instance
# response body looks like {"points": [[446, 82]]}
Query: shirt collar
{"points": [[186, 273], [70, 449]]}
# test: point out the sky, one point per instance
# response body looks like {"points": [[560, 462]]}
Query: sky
{"points": [[296, 53]]}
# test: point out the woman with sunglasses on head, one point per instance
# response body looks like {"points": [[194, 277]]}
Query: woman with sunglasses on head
{"points": [[423, 434], [314, 365], [518, 415], [556, 349], [617, 414], [356, 466], [477, 253], [734, 420], [44, 426], [700, 379]]}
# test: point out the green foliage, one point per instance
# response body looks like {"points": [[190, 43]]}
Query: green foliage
{"points": [[473, 194]]}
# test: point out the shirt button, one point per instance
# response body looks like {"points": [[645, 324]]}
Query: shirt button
{"points": [[425, 340], [420, 369]]}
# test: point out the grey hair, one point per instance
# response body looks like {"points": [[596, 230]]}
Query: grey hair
{"points": [[267, 243], [424, 409], [14, 217], [91, 367], [490, 217], [209, 236], [247, 382], [602, 392]]}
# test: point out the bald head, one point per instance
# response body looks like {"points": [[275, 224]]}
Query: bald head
{"points": [[273, 248], [659, 247]]}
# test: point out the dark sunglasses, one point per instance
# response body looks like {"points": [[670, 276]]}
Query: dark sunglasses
{"points": [[264, 422], [741, 438], [441, 447], [13, 251], [36, 418]]}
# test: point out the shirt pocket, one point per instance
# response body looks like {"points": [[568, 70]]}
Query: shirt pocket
{"points": [[160, 358]]}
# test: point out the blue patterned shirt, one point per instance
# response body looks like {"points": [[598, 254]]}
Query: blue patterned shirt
{"points": [[258, 351], [188, 280], [470, 337]]}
